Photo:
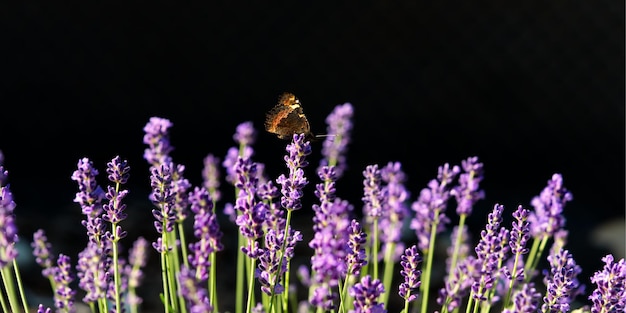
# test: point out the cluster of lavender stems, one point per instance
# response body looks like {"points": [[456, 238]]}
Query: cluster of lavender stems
{"points": [[360, 261]]}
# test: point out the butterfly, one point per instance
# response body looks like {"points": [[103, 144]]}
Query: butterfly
{"points": [[287, 118]]}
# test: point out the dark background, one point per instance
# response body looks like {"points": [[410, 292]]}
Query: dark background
{"points": [[530, 88]]}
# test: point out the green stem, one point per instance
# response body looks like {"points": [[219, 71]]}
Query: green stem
{"points": [[19, 285], [425, 286], [375, 249], [213, 283], [457, 242], [251, 285], [282, 253], [7, 279], [388, 274]]}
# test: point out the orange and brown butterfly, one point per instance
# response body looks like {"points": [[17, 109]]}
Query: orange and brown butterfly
{"points": [[287, 118]]}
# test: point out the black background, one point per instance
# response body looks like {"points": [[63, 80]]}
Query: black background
{"points": [[530, 88]]}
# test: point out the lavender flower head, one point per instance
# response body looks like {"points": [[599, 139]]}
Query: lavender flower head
{"points": [[372, 193], [211, 176], [410, 261], [193, 291], [8, 229], [231, 158], [335, 146], [157, 138], [89, 194], [92, 271], [42, 250], [366, 294], [489, 253], [431, 204], [137, 259], [63, 277], [467, 192], [395, 208], [245, 134], [252, 214], [162, 198], [117, 171], [293, 184], [206, 229], [561, 282], [525, 300], [547, 217], [610, 292]]}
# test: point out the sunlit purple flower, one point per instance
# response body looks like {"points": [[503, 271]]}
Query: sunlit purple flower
{"points": [[458, 282], [395, 208], [490, 252], [410, 261], [560, 282], [252, 213], [547, 218], [92, 271], [211, 176], [355, 256], [467, 192], [525, 300], [8, 229], [42, 252], [293, 183], [157, 138], [89, 194], [117, 171], [335, 146], [271, 266], [431, 204], [162, 198], [610, 292], [180, 187], [520, 233], [372, 193], [206, 230], [137, 259], [194, 292], [366, 294], [63, 277], [245, 134], [231, 159], [42, 309]]}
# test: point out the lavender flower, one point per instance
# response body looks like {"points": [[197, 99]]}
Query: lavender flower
{"points": [[372, 195], [431, 204], [271, 266], [92, 271], [490, 252], [162, 197], [206, 229], [192, 290], [410, 260], [366, 293], [137, 259], [293, 184], [467, 192], [8, 229], [64, 295], [335, 146], [42, 309], [42, 252], [355, 256], [89, 194], [117, 171], [526, 300], [394, 207], [560, 282], [210, 176], [157, 138], [520, 234], [252, 214], [547, 217], [458, 283], [610, 292], [231, 159], [245, 134]]}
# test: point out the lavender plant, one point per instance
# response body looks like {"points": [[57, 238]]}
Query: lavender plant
{"points": [[352, 260]]}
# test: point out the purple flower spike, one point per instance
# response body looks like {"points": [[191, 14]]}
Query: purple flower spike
{"points": [[355, 256], [410, 260], [42, 252], [431, 204], [211, 176], [366, 293], [335, 146], [293, 184], [64, 295], [8, 229], [42, 309], [92, 267], [117, 170], [548, 215], [610, 294], [162, 197], [245, 134], [490, 252], [137, 259], [89, 194], [526, 300], [193, 291], [395, 208], [372, 194], [467, 192], [157, 138], [561, 282]]}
